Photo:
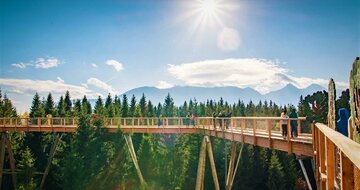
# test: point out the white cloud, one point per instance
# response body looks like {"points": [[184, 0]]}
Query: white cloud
{"points": [[228, 39], [163, 85], [261, 74], [60, 79], [43, 87], [94, 65], [19, 65], [117, 65], [45, 63], [102, 85]]}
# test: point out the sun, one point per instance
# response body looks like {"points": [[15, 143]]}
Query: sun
{"points": [[209, 7]]}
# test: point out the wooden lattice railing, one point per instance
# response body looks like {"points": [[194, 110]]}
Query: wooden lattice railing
{"points": [[335, 157]]}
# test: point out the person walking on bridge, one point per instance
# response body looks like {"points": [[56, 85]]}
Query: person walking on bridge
{"points": [[342, 123], [283, 123], [193, 119], [294, 123]]}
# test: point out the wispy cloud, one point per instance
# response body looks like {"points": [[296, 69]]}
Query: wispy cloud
{"points": [[46, 63], [19, 65], [100, 84], [42, 63], [60, 79], [261, 74], [163, 85], [45, 86], [116, 64], [94, 65]]}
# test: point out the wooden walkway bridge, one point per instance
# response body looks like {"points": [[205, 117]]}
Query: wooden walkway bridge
{"points": [[259, 131], [334, 155]]}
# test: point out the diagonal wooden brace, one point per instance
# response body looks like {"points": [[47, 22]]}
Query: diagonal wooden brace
{"points": [[133, 156]]}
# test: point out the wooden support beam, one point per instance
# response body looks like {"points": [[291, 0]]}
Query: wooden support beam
{"points": [[11, 159], [231, 165], [212, 163], [347, 172], [52, 154], [201, 166], [133, 156], [330, 162], [237, 164], [305, 174]]}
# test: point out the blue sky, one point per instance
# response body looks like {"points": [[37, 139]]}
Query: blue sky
{"points": [[97, 47]]}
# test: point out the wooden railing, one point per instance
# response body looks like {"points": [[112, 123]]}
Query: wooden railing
{"points": [[269, 126], [335, 157], [258, 131]]}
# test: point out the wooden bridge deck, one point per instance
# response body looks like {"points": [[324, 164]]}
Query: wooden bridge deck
{"points": [[259, 131]]}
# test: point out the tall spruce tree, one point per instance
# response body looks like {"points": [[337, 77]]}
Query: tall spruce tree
{"points": [[61, 107], [68, 104], [49, 105], [276, 174], [85, 105], [37, 108], [125, 107], [142, 105], [132, 108]]}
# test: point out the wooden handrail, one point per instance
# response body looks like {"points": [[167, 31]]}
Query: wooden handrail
{"points": [[350, 148]]}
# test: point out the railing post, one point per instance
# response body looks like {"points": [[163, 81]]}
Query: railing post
{"points": [[322, 161], [268, 122], [347, 172], [299, 127], [254, 132], [330, 162]]}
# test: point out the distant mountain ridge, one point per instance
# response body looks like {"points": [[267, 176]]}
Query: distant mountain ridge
{"points": [[290, 94]]}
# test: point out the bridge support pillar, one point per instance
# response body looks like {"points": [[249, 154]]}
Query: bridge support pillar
{"points": [[232, 167], [133, 156], [305, 174], [206, 145], [52, 153], [5, 141]]}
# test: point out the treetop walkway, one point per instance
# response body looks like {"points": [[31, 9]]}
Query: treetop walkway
{"points": [[260, 131]]}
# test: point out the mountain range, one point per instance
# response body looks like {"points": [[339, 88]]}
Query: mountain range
{"points": [[289, 94]]}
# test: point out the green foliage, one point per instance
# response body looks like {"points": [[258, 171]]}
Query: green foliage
{"points": [[276, 174], [125, 107], [37, 107]]}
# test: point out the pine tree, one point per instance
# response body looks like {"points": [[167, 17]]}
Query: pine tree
{"points": [[142, 105], [7, 110], [68, 104], [61, 107], [168, 109], [99, 107], [132, 108], [150, 109], [37, 108], [276, 174], [125, 106], [117, 106], [109, 105], [77, 107], [49, 105], [85, 105]]}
